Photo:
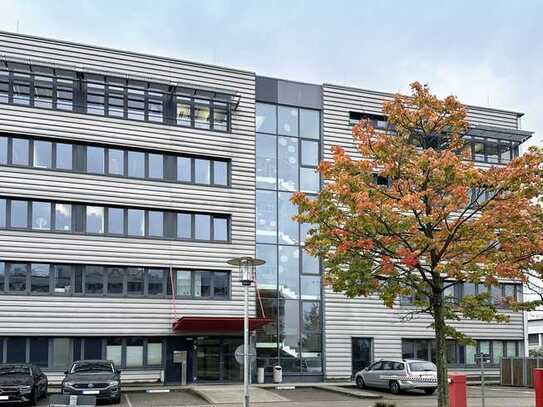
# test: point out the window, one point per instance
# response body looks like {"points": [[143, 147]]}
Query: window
{"points": [[115, 280], [202, 227], [3, 209], [61, 353], [184, 112], [39, 351], [3, 150], [64, 158], [17, 277], [266, 216], [266, 161], [95, 219], [220, 284], [309, 124], [288, 228], [62, 279], [136, 222], [135, 100], [309, 180], [155, 281], [39, 278], [184, 226], [20, 151], [43, 154], [220, 173], [184, 169], [63, 217], [203, 284], [21, 89], [202, 171], [202, 119], [156, 166], [184, 283], [134, 352], [19, 214], [135, 281], [287, 162], [220, 228], [310, 153], [94, 280], [266, 118], [287, 119], [136, 164], [266, 276], [289, 284], [41, 215], [115, 221], [95, 160], [2, 278], [115, 161], [156, 224], [220, 116], [96, 98], [114, 350], [154, 352], [310, 287]]}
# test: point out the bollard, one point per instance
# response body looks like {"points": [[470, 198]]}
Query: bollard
{"points": [[537, 376], [457, 390]]}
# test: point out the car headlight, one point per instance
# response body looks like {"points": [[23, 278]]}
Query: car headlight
{"points": [[68, 384], [114, 383], [24, 389]]}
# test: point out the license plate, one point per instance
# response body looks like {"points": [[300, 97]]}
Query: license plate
{"points": [[91, 391], [4, 397]]}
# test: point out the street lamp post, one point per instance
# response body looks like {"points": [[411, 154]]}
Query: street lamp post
{"points": [[247, 271]]}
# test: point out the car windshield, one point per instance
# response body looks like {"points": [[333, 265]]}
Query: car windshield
{"points": [[92, 367], [422, 367], [14, 370]]}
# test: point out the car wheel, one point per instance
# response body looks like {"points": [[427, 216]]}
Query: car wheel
{"points": [[34, 397], [430, 391], [116, 400], [394, 387], [360, 382]]}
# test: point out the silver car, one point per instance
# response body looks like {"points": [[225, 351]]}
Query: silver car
{"points": [[399, 374]]}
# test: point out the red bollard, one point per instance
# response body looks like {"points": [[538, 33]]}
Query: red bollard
{"points": [[457, 390], [537, 377]]}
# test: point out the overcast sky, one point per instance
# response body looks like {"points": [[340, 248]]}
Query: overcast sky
{"points": [[488, 53]]}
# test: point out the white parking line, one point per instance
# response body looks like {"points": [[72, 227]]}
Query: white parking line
{"points": [[127, 399], [509, 390]]}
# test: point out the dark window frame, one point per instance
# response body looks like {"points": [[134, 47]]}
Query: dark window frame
{"points": [[192, 295]]}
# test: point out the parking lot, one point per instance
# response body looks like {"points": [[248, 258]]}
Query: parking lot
{"points": [[314, 397]]}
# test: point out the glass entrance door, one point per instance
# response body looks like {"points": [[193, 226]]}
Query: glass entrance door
{"points": [[216, 361], [362, 353]]}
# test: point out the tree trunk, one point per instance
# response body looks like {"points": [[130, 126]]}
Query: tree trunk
{"points": [[441, 350]]}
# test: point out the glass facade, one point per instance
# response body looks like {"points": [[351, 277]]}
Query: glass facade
{"points": [[288, 152]]}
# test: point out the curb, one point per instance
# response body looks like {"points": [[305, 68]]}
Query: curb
{"points": [[353, 393]]}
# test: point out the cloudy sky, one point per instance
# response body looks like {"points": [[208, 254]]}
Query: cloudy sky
{"points": [[488, 53]]}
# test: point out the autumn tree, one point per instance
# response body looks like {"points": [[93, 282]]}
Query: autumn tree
{"points": [[416, 216]]}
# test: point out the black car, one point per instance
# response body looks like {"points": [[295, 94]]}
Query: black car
{"points": [[97, 378], [22, 383]]}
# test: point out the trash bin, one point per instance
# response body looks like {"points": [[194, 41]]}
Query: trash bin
{"points": [[64, 400], [277, 374], [260, 375]]}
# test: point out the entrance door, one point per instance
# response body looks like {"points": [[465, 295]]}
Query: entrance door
{"points": [[215, 359], [172, 371], [362, 353]]}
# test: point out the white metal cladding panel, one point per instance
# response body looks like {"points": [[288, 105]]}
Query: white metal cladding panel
{"points": [[368, 317], [339, 101], [106, 316]]}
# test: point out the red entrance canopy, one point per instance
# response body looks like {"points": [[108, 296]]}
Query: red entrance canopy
{"points": [[217, 324]]}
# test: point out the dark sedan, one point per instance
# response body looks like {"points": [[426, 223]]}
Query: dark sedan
{"points": [[22, 383], [97, 378]]}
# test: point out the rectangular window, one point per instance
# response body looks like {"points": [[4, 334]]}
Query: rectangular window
{"points": [[202, 171], [184, 169], [65, 94], [19, 214], [309, 180], [43, 154], [266, 216], [4, 88], [17, 277], [184, 283], [39, 351], [43, 91], [478, 151], [134, 352], [134, 281], [20, 151], [136, 222], [184, 112], [220, 229], [155, 281], [202, 284], [202, 113], [94, 280], [154, 352], [3, 209], [156, 223], [3, 150], [95, 219], [115, 161], [154, 106], [114, 351], [220, 116], [287, 118], [135, 101], [202, 227], [309, 124], [115, 221], [41, 215], [21, 89], [136, 164], [115, 101], [310, 153], [39, 278], [266, 161], [220, 173], [266, 118], [16, 350], [220, 284], [64, 159], [63, 217], [95, 160], [156, 166], [184, 226], [95, 98], [62, 279], [287, 163], [2, 278], [115, 280]]}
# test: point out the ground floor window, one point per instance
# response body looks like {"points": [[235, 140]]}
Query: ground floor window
{"points": [[459, 354], [54, 353]]}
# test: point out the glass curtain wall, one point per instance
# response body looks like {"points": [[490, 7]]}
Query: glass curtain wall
{"points": [[287, 154]]}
